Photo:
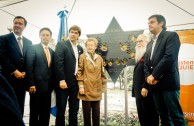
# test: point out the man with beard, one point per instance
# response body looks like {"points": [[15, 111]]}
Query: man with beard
{"points": [[144, 101]]}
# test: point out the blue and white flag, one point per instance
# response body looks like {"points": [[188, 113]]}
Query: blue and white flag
{"points": [[53, 104], [63, 32]]}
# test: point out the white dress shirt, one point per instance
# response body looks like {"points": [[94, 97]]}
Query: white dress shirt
{"points": [[154, 39]]}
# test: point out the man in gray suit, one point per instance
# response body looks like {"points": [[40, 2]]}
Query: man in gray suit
{"points": [[40, 75]]}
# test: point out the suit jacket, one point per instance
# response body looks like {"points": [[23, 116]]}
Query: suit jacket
{"points": [[9, 110], [38, 72], [138, 79], [164, 63], [10, 54], [65, 61]]}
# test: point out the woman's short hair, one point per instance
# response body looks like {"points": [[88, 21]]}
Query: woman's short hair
{"points": [[93, 40]]}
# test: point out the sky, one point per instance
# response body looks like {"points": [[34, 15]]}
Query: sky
{"points": [[94, 16]]}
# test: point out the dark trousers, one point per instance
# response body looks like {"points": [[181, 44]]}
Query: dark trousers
{"points": [[87, 106], [20, 91], [40, 104], [62, 95], [146, 110], [168, 107]]}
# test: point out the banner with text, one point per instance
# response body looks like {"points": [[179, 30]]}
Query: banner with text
{"points": [[186, 69]]}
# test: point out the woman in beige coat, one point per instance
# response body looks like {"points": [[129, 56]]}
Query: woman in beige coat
{"points": [[92, 82]]}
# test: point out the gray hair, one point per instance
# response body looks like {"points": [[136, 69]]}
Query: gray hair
{"points": [[145, 37], [92, 39]]}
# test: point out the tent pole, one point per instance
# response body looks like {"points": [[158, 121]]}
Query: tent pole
{"points": [[126, 96]]}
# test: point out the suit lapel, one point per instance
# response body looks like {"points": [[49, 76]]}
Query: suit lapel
{"points": [[51, 54], [139, 62], [24, 46], [149, 49], [70, 48], [42, 52], [157, 45], [136, 65], [15, 43], [79, 50]]}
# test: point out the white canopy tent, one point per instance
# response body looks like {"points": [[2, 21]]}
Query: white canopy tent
{"points": [[94, 16]]}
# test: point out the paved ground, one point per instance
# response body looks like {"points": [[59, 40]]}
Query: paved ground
{"points": [[116, 103]]}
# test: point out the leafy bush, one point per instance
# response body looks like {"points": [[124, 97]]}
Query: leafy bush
{"points": [[113, 119]]}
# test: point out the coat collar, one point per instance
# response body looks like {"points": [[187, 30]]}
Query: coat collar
{"points": [[88, 57], [140, 61], [42, 51], [16, 36], [15, 43], [79, 49]]}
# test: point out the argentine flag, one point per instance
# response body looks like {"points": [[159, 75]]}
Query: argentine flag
{"points": [[63, 32], [53, 104]]}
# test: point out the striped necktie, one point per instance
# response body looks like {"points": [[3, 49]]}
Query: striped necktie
{"points": [[20, 44]]}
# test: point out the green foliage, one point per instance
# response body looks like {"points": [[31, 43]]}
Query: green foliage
{"points": [[113, 119]]}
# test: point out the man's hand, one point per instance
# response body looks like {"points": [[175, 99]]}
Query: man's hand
{"points": [[63, 85], [32, 89], [18, 74], [154, 82], [150, 80], [24, 74], [144, 92]]}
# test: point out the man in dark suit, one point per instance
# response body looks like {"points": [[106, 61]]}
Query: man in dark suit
{"points": [[66, 64], [161, 71], [146, 109], [40, 75], [10, 114], [13, 49]]}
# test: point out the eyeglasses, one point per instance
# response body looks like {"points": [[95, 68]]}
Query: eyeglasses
{"points": [[140, 41]]}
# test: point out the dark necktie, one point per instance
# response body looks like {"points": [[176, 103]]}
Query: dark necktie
{"points": [[20, 44]]}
